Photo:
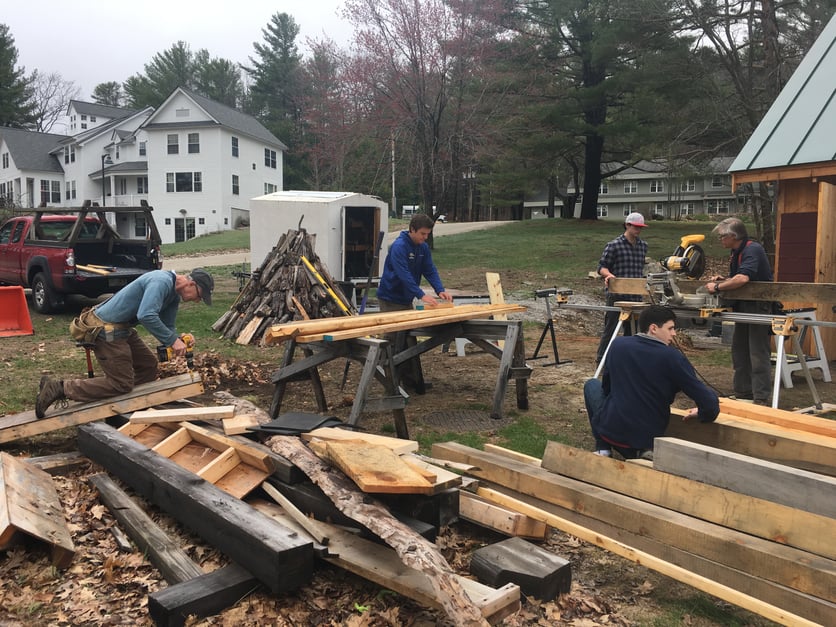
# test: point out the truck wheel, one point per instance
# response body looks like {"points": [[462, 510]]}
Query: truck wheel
{"points": [[43, 295]]}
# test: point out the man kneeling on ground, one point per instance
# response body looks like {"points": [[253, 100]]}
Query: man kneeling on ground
{"points": [[642, 375]]}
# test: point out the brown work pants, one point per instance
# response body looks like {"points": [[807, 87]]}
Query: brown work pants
{"points": [[125, 362]]}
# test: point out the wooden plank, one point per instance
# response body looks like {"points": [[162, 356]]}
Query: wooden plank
{"points": [[250, 455], [331, 434], [59, 463], [762, 518], [239, 424], [793, 448], [166, 555], [778, 417], [705, 584], [376, 468], [476, 509], [443, 479], [782, 564], [183, 413], [173, 443], [815, 293], [279, 558], [766, 480], [520, 457], [142, 396], [202, 596], [29, 504], [310, 525], [220, 466], [381, 565]]}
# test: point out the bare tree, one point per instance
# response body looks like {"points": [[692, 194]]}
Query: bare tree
{"points": [[51, 95]]}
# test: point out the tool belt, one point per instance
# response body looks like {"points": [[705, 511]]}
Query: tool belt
{"points": [[87, 327]]}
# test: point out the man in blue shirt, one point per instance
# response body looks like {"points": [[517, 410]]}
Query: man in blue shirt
{"points": [[409, 259], [622, 257], [152, 300], [751, 347], [631, 405]]}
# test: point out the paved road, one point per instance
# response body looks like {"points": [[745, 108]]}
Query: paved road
{"points": [[185, 264]]}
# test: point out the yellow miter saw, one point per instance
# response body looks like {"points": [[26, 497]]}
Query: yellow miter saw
{"points": [[688, 258]]}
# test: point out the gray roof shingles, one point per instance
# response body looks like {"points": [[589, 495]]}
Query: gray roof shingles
{"points": [[31, 150]]}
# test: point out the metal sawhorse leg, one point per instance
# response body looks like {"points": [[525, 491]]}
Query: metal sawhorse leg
{"points": [[561, 296]]}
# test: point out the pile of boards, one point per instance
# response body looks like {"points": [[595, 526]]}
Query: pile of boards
{"points": [[742, 508], [283, 288]]}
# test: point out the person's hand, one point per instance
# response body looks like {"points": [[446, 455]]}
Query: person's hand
{"points": [[178, 347], [446, 296], [691, 415], [429, 300]]}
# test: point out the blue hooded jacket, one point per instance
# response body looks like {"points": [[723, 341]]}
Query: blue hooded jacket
{"points": [[405, 264]]}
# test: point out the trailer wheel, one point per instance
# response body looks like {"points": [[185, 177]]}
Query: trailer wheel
{"points": [[43, 296]]}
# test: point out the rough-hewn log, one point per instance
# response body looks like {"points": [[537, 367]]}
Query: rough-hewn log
{"points": [[414, 550]]}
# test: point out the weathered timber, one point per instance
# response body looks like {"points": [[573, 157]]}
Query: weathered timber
{"points": [[778, 417], [794, 488], [538, 572], [163, 552], [740, 511], [824, 293], [775, 602], [205, 595], [414, 550], [59, 463], [782, 564], [29, 503], [280, 559], [158, 392], [793, 448], [501, 519]]}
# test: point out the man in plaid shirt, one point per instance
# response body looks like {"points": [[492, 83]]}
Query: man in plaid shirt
{"points": [[622, 257]]}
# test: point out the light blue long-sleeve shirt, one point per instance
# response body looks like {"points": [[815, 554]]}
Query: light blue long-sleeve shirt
{"points": [[150, 300]]}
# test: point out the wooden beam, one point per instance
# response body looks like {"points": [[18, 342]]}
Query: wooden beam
{"points": [[158, 392], [816, 293], [172, 561], [793, 448], [785, 173], [506, 521], [277, 557], [613, 545], [183, 413], [800, 489], [785, 565], [59, 463], [762, 518], [778, 417]]}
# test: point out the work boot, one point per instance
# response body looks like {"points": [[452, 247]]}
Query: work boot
{"points": [[49, 391]]}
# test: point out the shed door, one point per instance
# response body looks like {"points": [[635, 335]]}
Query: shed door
{"points": [[797, 248], [360, 227]]}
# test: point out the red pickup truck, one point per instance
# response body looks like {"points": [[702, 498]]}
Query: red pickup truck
{"points": [[58, 252]]}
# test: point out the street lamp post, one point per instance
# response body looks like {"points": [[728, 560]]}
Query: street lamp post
{"points": [[106, 160]]}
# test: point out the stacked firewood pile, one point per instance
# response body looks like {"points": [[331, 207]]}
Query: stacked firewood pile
{"points": [[283, 289]]}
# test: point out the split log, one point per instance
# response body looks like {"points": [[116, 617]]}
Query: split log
{"points": [[414, 550]]}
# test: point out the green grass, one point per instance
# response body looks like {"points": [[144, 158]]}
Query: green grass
{"points": [[224, 241]]}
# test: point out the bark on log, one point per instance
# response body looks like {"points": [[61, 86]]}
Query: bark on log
{"points": [[415, 551]]}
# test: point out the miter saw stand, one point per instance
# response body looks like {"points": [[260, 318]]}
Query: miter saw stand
{"points": [[561, 295]]}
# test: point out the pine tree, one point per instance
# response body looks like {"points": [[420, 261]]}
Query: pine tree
{"points": [[16, 106]]}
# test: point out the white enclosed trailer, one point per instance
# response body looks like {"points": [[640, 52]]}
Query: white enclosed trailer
{"points": [[346, 226]]}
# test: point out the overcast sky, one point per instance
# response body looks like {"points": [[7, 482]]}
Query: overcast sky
{"points": [[91, 41]]}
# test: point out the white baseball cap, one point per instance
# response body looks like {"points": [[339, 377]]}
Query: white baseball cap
{"points": [[635, 219]]}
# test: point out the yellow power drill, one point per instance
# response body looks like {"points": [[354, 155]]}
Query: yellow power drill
{"points": [[166, 353]]}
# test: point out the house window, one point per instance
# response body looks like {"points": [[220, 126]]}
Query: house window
{"points": [[143, 149], [604, 188], [234, 146], [173, 144], [66, 155], [72, 192], [168, 221], [235, 188], [631, 187], [83, 117], [5, 160], [687, 209], [716, 207], [183, 182], [688, 185], [142, 185], [603, 211], [67, 190], [717, 181], [182, 113], [628, 209], [269, 188], [270, 158], [123, 186], [117, 152], [92, 118], [44, 192], [72, 154], [140, 226], [657, 186], [658, 209], [56, 191], [194, 143], [84, 125], [201, 220]]}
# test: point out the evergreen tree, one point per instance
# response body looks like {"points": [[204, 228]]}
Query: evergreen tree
{"points": [[109, 93], [16, 106]]}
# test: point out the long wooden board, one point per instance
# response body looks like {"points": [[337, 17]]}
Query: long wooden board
{"points": [[183, 413], [29, 504], [799, 489], [785, 565], [762, 518], [778, 417], [398, 445], [824, 293], [158, 392], [478, 510]]}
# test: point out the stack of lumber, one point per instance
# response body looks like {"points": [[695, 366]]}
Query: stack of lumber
{"points": [[335, 329], [282, 289], [750, 531]]}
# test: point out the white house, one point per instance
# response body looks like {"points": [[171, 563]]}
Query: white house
{"points": [[195, 161]]}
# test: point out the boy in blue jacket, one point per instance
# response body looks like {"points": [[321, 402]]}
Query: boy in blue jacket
{"points": [[630, 406]]}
